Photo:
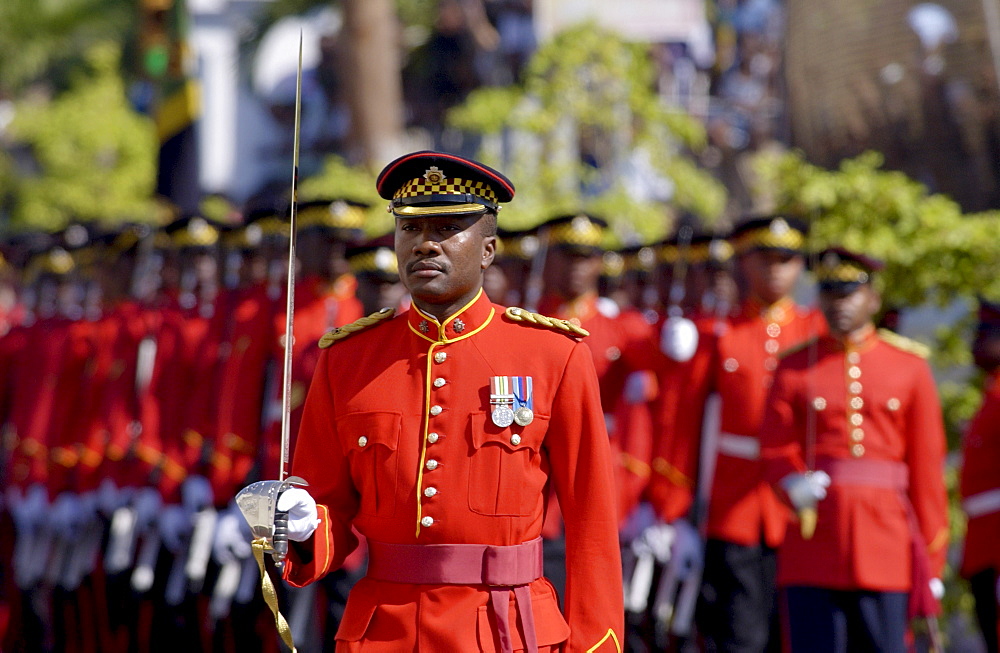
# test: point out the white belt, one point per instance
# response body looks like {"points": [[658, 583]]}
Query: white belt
{"points": [[746, 447], [982, 504]]}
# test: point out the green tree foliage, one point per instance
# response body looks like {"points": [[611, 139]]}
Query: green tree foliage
{"points": [[93, 157], [46, 39], [589, 106]]}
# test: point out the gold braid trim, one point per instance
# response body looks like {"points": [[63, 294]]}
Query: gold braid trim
{"points": [[340, 333], [270, 597], [536, 319], [672, 474], [904, 343]]}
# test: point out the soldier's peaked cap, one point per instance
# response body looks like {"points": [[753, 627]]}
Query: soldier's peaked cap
{"points": [[436, 183], [840, 269]]}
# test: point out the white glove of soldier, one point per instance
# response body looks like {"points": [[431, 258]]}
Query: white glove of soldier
{"points": [[686, 551], [806, 490], [303, 518], [937, 588], [656, 540], [28, 509], [678, 338], [175, 526], [196, 493], [70, 511], [232, 536], [109, 498], [147, 504]]}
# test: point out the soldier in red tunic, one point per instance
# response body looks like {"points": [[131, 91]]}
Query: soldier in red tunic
{"points": [[437, 433], [980, 486], [745, 523], [853, 441]]}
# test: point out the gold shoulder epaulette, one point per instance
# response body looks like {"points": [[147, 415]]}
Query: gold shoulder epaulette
{"points": [[536, 319], [904, 343], [797, 348], [333, 335]]}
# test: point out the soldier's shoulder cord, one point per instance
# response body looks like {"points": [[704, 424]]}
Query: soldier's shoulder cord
{"points": [[797, 348], [538, 320], [341, 332], [904, 343]]}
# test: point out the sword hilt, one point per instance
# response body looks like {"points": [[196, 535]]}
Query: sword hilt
{"points": [[280, 540]]}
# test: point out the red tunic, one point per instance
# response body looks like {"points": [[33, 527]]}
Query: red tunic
{"points": [[397, 439], [874, 406], [980, 485], [740, 364]]}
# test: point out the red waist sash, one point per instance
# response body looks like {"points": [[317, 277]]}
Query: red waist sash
{"points": [[504, 569]]}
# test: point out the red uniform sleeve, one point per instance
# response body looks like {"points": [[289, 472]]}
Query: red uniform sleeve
{"points": [[783, 430], [321, 461], [578, 451], [925, 458]]}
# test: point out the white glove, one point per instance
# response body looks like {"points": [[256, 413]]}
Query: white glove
{"points": [[806, 490], [147, 504], [656, 540], [686, 551], [67, 514], [937, 588], [678, 338], [302, 516], [196, 493], [109, 498], [232, 536], [175, 526], [29, 509]]}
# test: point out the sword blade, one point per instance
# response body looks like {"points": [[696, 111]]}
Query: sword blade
{"points": [[286, 390]]}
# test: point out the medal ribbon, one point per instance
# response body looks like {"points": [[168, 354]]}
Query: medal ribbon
{"points": [[523, 397]]}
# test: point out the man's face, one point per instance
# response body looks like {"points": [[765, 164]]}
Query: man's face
{"points": [[986, 347], [847, 311], [571, 273], [771, 273], [442, 258]]}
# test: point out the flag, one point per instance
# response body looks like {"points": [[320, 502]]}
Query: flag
{"points": [[167, 63]]}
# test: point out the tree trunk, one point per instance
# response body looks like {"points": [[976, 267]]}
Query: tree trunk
{"points": [[373, 81]]}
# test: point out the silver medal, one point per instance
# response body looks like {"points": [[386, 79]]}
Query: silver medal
{"points": [[523, 416], [503, 416]]}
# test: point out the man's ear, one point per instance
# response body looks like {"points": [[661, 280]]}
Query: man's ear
{"points": [[489, 251]]}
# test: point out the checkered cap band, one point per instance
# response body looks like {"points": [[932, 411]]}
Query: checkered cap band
{"points": [[843, 272], [452, 186], [338, 215], [381, 260], [200, 234], [767, 238], [577, 233]]}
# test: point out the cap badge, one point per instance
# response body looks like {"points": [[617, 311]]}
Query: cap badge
{"points": [[580, 223], [831, 260], [433, 175], [779, 227], [338, 208]]}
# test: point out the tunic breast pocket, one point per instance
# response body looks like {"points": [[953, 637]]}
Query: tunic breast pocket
{"points": [[505, 475], [370, 440]]}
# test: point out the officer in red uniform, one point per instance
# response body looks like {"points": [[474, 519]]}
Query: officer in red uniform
{"points": [[980, 485], [745, 523], [853, 440], [437, 433]]}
